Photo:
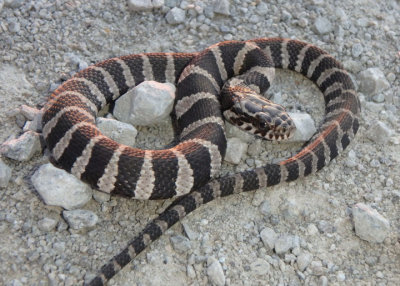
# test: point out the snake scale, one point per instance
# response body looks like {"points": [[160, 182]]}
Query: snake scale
{"points": [[187, 169]]}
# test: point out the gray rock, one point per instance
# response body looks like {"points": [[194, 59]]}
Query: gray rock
{"points": [[148, 103], [47, 224], [180, 243], [80, 219], [254, 148], [101, 197], [260, 267], [372, 81], [326, 227], [59, 188], [380, 133], [215, 272], [268, 237], [23, 148], [5, 174], [284, 243], [265, 208], [222, 7], [322, 26], [369, 224], [262, 8], [191, 234], [356, 50], [316, 268], [303, 260], [305, 127], [235, 149], [35, 125], [13, 3], [1, 4], [175, 16], [120, 132], [234, 131]]}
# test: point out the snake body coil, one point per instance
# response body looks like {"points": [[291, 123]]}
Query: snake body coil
{"points": [[188, 168]]}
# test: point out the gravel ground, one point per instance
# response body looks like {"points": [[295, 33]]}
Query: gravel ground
{"points": [[229, 240]]}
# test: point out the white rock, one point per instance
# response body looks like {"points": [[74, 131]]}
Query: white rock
{"points": [[29, 112], [47, 224], [284, 243], [341, 276], [268, 237], [222, 7], [235, 149], [23, 148], [322, 26], [180, 243], [175, 16], [379, 132], [120, 132], [372, 81], [215, 272], [59, 188], [303, 260], [369, 224], [260, 267], [312, 229], [234, 131], [80, 219], [305, 127], [140, 5], [148, 103], [5, 174]]}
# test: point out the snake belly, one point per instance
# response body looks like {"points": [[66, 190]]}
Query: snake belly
{"points": [[78, 146]]}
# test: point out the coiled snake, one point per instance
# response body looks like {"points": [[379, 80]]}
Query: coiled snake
{"points": [[203, 79]]}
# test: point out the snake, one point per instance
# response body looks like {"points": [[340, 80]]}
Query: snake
{"points": [[225, 79]]}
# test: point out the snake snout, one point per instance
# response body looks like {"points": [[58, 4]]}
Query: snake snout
{"points": [[275, 124]]}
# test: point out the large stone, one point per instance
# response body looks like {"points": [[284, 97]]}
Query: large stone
{"points": [[305, 127], [148, 103], [59, 188]]}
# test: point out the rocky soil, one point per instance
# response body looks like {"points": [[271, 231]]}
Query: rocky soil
{"points": [[339, 227]]}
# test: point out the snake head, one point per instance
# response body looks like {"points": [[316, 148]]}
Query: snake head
{"points": [[259, 116]]}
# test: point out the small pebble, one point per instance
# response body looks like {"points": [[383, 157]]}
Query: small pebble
{"points": [[215, 272], [372, 81], [268, 237], [5, 174], [23, 148], [175, 16], [47, 224], [322, 26], [380, 133], [181, 243], [369, 224], [80, 219], [235, 150]]}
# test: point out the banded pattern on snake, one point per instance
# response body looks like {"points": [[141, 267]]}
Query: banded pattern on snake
{"points": [[187, 169]]}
